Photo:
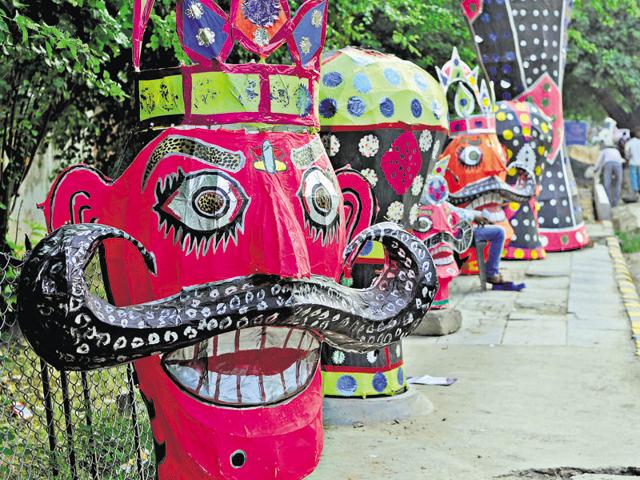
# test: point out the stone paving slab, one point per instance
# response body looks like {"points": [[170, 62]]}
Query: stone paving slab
{"points": [[547, 378]]}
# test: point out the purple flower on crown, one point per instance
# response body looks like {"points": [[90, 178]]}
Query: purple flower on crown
{"points": [[262, 13]]}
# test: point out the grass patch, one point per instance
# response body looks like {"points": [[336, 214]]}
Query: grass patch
{"points": [[629, 242]]}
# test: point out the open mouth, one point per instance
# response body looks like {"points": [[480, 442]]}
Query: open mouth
{"points": [[442, 254], [490, 204], [520, 192], [246, 368]]}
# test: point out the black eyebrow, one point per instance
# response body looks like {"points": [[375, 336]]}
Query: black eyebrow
{"points": [[191, 147]]}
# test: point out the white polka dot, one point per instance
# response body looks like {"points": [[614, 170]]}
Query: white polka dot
{"points": [[521, 27], [552, 187], [541, 220], [564, 203], [525, 209], [527, 237], [562, 189], [556, 221], [544, 241], [514, 222], [567, 219], [553, 202], [560, 175], [526, 222], [548, 174]]}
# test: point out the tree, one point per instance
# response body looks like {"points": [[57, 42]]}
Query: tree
{"points": [[66, 78], [603, 58]]}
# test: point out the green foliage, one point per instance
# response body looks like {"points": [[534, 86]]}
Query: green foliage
{"points": [[629, 241], [415, 30], [603, 60]]}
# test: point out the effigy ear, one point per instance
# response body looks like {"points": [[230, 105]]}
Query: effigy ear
{"points": [[360, 204], [75, 197]]}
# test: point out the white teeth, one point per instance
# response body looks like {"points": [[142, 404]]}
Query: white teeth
{"points": [[187, 375], [443, 260], [276, 337], [226, 343], [250, 339], [290, 379], [250, 389], [209, 386], [273, 387], [190, 367], [186, 353], [307, 342], [303, 371], [294, 339], [228, 389]]}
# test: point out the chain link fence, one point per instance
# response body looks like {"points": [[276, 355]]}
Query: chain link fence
{"points": [[66, 425]]}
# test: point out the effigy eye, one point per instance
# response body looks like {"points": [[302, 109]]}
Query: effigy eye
{"points": [[202, 209]]}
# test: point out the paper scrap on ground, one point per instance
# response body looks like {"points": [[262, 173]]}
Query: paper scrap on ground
{"points": [[429, 380]]}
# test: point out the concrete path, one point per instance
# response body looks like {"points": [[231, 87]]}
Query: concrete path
{"points": [[547, 380]]}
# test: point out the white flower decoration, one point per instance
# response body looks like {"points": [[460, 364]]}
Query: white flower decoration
{"points": [[195, 11], [261, 37], [413, 214], [316, 19], [369, 145], [334, 145], [436, 150], [395, 212], [371, 176], [426, 140], [416, 186], [205, 37], [305, 45], [338, 357]]}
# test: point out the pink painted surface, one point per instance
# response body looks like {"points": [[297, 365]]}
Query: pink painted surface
{"points": [[281, 441]]}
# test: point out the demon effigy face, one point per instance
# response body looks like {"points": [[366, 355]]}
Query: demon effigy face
{"points": [[477, 170], [525, 60], [476, 173], [221, 249], [442, 230], [235, 287], [527, 135], [383, 121]]}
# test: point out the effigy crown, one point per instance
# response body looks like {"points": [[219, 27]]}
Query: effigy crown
{"points": [[474, 100], [212, 92]]}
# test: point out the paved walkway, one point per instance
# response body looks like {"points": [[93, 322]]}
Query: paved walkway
{"points": [[547, 378]]}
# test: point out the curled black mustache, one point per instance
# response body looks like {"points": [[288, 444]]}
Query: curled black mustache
{"points": [[75, 330], [458, 244], [494, 185]]}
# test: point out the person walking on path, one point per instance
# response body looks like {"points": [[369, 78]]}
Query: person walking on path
{"points": [[632, 152], [610, 164]]}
